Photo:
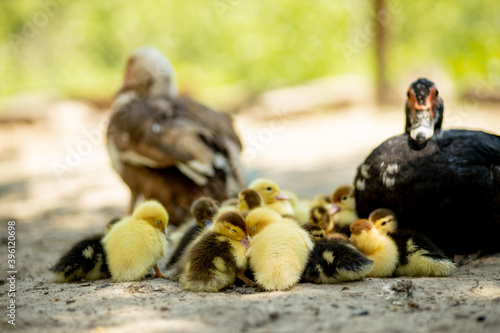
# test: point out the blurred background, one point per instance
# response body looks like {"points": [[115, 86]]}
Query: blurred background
{"points": [[313, 86]]}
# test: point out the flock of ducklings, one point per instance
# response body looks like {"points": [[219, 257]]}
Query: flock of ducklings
{"points": [[267, 238]]}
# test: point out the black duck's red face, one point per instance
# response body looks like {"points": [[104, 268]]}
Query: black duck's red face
{"points": [[424, 110]]}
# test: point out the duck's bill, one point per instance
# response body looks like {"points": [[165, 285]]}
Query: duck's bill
{"points": [[422, 128], [244, 242], [333, 209], [282, 196]]}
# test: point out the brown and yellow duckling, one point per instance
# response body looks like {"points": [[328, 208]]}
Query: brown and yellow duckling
{"points": [[418, 255], [218, 256], [343, 209], [248, 200], [377, 247], [203, 210]]}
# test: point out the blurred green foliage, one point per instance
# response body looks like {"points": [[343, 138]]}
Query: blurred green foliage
{"points": [[232, 49]]}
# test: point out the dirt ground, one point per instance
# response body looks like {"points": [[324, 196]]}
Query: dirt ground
{"points": [[56, 183]]}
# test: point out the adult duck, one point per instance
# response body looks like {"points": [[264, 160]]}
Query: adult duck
{"points": [[444, 184], [167, 147]]}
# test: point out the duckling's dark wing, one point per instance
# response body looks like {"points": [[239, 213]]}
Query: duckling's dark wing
{"points": [[346, 257], [410, 241], [83, 255], [186, 239]]}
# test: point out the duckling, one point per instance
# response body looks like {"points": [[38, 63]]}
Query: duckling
{"points": [[418, 255], [377, 247], [137, 242], [320, 216], [300, 207], [85, 260], [384, 220], [334, 260], [218, 257], [248, 200], [343, 209], [279, 249], [203, 210], [272, 196]]}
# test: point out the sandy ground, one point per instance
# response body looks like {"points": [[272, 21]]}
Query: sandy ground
{"points": [[57, 185]]}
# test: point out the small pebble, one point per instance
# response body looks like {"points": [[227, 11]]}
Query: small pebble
{"points": [[361, 312]]}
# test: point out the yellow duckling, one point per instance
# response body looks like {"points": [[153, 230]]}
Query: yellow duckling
{"points": [[218, 256], [279, 249], [377, 247], [272, 196], [137, 242]]}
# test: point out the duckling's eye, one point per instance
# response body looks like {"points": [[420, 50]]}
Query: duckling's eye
{"points": [[209, 210], [269, 188], [384, 223], [158, 222], [408, 94], [437, 92], [234, 231], [344, 198], [252, 229]]}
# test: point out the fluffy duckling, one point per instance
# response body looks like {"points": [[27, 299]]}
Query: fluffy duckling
{"points": [[218, 256], [334, 260], [320, 216], [384, 220], [248, 200], [85, 260], [343, 209], [137, 242], [272, 196], [279, 249], [376, 246], [418, 255], [203, 210]]}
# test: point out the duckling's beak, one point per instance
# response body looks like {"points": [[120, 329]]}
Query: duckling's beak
{"points": [[207, 223], [333, 209], [282, 196], [244, 241]]}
